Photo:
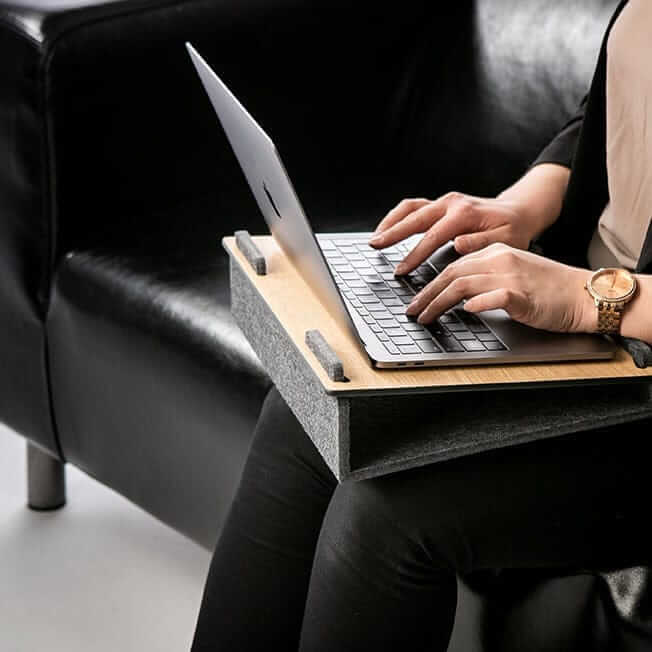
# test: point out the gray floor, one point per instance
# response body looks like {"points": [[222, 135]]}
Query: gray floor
{"points": [[98, 575]]}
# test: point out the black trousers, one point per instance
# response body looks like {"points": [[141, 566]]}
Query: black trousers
{"points": [[304, 563]]}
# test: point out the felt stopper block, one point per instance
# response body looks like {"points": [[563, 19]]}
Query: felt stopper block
{"points": [[251, 252], [326, 356]]}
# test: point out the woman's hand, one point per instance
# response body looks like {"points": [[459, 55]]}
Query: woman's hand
{"points": [[515, 217], [532, 289], [472, 222]]}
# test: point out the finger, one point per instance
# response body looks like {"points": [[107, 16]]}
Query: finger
{"points": [[401, 210], [417, 222], [513, 302], [456, 221], [471, 242], [462, 267], [461, 288]]}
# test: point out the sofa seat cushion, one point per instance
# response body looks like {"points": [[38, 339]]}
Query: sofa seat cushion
{"points": [[153, 383]]}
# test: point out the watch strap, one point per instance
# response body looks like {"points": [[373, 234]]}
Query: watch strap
{"points": [[609, 317]]}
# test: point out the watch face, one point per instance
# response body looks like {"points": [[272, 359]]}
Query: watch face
{"points": [[613, 284]]}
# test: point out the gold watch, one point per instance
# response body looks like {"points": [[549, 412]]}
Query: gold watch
{"points": [[612, 289]]}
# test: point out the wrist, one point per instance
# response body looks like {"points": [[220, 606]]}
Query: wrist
{"points": [[538, 196], [636, 322], [586, 310]]}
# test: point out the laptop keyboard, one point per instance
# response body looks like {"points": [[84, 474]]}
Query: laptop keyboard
{"points": [[365, 276]]}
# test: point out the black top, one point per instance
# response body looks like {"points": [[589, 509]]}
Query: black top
{"points": [[581, 146]]}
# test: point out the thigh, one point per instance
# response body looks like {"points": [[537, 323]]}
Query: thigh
{"points": [[576, 501], [258, 580]]}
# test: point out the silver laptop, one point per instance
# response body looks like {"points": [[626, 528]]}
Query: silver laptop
{"points": [[357, 284]]}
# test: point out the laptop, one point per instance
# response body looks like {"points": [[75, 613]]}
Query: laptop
{"points": [[356, 283]]}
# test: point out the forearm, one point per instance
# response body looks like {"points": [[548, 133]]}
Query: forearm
{"points": [[539, 194], [637, 318]]}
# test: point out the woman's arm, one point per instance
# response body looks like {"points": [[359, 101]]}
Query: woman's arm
{"points": [[516, 217]]}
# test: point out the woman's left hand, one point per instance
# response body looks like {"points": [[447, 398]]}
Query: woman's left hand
{"points": [[532, 289]]}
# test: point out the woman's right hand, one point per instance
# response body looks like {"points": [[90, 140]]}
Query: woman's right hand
{"points": [[515, 217]]}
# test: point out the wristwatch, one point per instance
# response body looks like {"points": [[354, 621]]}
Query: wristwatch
{"points": [[611, 289]]}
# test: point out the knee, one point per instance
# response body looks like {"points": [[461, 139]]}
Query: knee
{"points": [[398, 522]]}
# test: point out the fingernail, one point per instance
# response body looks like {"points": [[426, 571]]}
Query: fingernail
{"points": [[411, 309], [401, 268], [421, 319], [376, 239]]}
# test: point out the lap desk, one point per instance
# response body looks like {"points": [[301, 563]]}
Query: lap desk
{"points": [[381, 421]]}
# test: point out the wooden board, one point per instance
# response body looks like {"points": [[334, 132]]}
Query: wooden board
{"points": [[298, 310]]}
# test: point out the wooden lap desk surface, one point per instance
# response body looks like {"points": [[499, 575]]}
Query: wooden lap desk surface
{"points": [[299, 310]]}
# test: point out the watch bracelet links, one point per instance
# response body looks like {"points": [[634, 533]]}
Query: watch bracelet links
{"points": [[609, 316]]}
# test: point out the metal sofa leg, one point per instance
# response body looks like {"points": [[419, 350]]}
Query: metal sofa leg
{"points": [[46, 480]]}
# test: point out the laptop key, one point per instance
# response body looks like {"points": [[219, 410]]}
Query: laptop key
{"points": [[467, 317], [420, 335], [391, 348], [389, 324], [394, 332], [396, 310], [465, 336], [450, 344], [376, 329], [455, 326], [487, 337], [473, 346], [495, 346], [399, 341], [327, 244], [449, 318], [384, 294], [478, 328], [370, 320], [436, 328], [370, 299], [402, 319], [394, 302], [428, 346], [413, 326], [409, 348]]}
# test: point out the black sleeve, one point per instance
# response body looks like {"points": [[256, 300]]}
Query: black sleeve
{"points": [[561, 149]]}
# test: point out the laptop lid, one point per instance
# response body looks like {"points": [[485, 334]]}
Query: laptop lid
{"points": [[274, 192]]}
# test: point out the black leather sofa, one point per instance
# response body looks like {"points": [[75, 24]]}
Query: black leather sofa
{"points": [[117, 350]]}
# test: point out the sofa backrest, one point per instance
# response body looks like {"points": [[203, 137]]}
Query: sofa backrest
{"points": [[366, 104]]}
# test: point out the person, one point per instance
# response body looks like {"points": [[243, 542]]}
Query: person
{"points": [[306, 563]]}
